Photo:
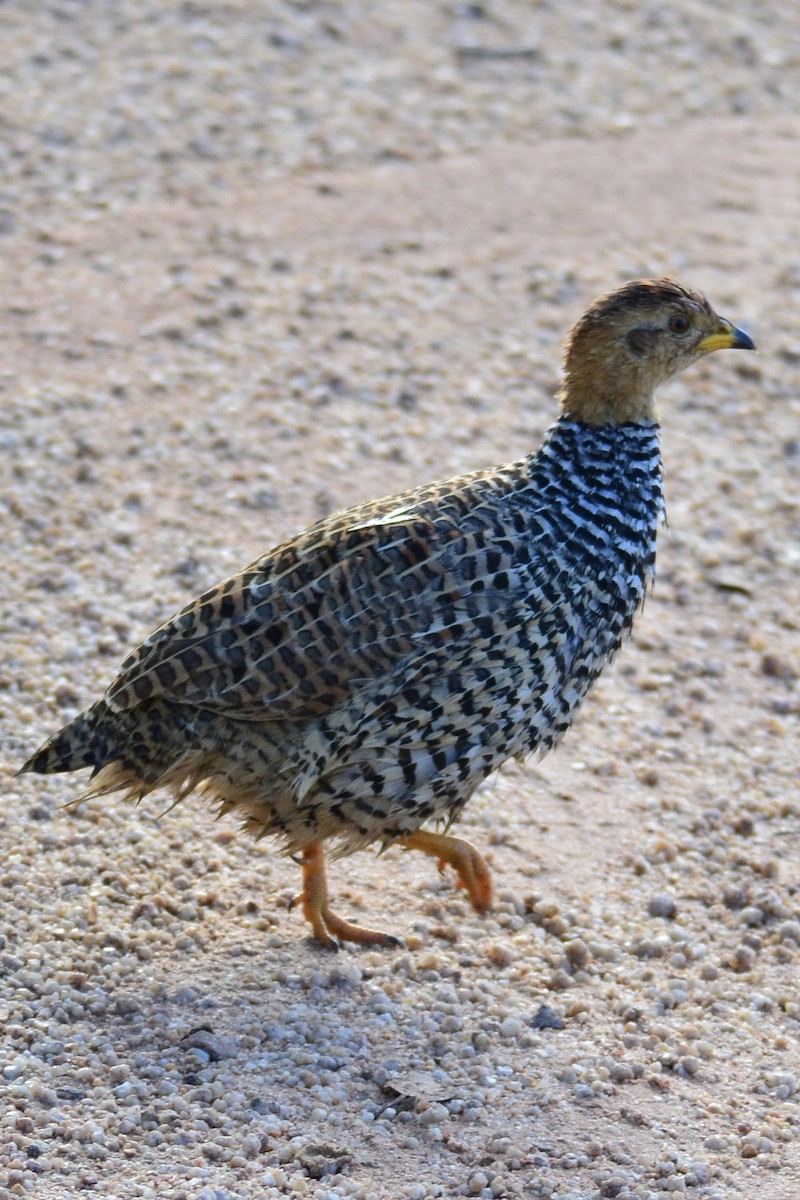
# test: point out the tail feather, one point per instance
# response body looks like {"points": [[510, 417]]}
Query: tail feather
{"points": [[181, 778], [127, 752], [81, 743]]}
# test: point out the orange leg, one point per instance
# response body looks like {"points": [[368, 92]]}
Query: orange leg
{"points": [[473, 873], [328, 928]]}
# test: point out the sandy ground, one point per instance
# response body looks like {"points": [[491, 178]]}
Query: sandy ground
{"points": [[260, 262]]}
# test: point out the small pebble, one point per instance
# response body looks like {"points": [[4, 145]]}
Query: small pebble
{"points": [[662, 906]]}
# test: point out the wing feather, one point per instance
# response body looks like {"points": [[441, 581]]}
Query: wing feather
{"points": [[300, 629]]}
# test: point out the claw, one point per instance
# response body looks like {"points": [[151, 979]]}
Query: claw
{"points": [[473, 873], [330, 929]]}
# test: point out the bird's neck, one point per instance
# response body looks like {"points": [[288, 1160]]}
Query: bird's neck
{"points": [[598, 406], [596, 392], [605, 437], [607, 477], [625, 455]]}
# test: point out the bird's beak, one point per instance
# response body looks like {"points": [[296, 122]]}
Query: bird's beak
{"points": [[726, 337]]}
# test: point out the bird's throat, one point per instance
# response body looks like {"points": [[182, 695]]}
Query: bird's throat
{"points": [[606, 405]]}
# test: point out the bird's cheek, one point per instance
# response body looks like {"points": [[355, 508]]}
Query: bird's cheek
{"points": [[642, 342]]}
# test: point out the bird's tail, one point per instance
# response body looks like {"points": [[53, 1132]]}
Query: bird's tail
{"points": [[81, 743], [127, 752]]}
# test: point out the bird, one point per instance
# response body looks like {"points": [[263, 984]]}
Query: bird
{"points": [[354, 685]]}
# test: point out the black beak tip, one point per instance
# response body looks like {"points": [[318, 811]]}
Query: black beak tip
{"points": [[742, 340]]}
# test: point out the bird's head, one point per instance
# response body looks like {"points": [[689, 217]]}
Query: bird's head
{"points": [[632, 340]]}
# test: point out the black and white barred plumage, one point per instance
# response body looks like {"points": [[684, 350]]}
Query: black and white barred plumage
{"points": [[363, 678]]}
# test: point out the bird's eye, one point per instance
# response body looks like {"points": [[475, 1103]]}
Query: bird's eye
{"points": [[678, 323]]}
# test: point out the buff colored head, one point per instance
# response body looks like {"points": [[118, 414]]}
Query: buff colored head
{"points": [[632, 340]]}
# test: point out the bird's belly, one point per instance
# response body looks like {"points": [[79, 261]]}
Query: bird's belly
{"points": [[412, 748]]}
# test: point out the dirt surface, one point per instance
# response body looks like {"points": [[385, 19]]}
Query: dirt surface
{"points": [[259, 264]]}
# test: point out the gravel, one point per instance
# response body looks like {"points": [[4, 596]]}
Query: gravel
{"points": [[260, 263]]}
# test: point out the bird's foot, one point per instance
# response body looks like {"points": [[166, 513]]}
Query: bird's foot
{"points": [[473, 873], [330, 929]]}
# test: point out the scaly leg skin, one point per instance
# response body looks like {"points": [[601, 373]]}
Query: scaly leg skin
{"points": [[328, 928], [473, 873]]}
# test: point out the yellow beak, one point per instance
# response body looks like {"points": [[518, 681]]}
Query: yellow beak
{"points": [[727, 337]]}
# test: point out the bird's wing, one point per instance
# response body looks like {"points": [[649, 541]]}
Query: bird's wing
{"points": [[312, 622]]}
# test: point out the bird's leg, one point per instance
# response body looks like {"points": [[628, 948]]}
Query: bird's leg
{"points": [[473, 873], [328, 928]]}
